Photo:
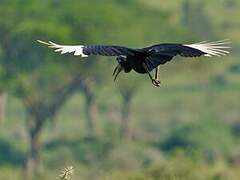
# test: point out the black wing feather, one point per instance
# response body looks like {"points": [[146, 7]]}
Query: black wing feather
{"points": [[217, 48], [105, 50], [162, 53], [176, 49]]}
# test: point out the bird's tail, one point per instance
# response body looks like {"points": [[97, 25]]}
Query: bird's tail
{"points": [[217, 48]]}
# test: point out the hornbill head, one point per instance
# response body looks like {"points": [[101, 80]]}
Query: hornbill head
{"points": [[121, 66]]}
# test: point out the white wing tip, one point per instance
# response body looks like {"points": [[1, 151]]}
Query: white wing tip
{"points": [[63, 49], [217, 48], [42, 42]]}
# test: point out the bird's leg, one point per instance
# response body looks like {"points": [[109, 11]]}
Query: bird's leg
{"points": [[157, 75], [146, 68], [155, 83]]}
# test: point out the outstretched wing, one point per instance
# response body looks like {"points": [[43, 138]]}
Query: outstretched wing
{"points": [[85, 51], [217, 48], [162, 53]]}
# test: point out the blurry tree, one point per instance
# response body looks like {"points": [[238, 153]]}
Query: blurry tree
{"points": [[3, 100], [38, 112], [128, 88], [44, 81], [90, 108], [196, 20], [89, 86]]}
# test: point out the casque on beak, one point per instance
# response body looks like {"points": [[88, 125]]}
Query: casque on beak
{"points": [[117, 71]]}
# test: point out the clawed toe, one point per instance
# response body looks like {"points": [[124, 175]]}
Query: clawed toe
{"points": [[156, 82]]}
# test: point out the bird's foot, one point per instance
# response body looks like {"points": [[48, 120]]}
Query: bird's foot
{"points": [[156, 82]]}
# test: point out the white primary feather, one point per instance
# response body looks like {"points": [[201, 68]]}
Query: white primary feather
{"points": [[63, 49], [217, 48]]}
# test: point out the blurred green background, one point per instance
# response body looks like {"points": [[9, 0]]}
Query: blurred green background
{"points": [[58, 111]]}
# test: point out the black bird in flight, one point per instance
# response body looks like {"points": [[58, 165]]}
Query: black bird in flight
{"points": [[146, 59]]}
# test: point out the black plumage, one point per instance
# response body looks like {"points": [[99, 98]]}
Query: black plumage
{"points": [[144, 60]]}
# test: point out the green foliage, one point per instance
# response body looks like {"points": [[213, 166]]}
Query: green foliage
{"points": [[180, 131], [10, 153], [132, 156], [209, 138], [87, 151], [177, 168]]}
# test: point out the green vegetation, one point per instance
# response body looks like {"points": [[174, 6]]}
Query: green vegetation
{"points": [[61, 111]]}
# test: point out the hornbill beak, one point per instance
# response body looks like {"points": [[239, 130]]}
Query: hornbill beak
{"points": [[117, 71]]}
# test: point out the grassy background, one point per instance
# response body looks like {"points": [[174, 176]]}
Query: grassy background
{"points": [[187, 129], [193, 115]]}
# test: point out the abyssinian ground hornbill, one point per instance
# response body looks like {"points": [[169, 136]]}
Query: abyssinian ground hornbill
{"points": [[146, 59]]}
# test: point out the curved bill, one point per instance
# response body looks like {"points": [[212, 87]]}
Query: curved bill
{"points": [[117, 71]]}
